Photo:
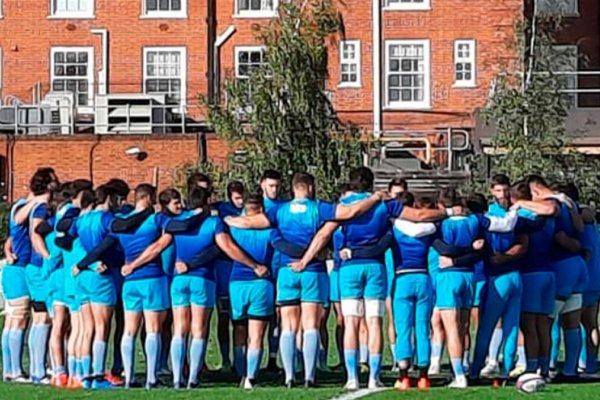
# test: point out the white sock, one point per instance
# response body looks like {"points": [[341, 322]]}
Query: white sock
{"points": [[466, 358], [495, 344], [521, 357], [393, 350]]}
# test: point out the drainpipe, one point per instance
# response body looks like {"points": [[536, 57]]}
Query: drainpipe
{"points": [[103, 73], [376, 68], [221, 39]]}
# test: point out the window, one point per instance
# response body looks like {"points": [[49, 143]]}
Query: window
{"points": [[72, 8], [407, 4], [464, 63], [567, 58], [566, 8], [165, 73], [247, 60], [1, 9], [164, 8], [350, 63], [72, 70], [407, 74], [256, 8]]}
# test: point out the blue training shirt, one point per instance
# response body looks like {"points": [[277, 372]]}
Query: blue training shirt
{"points": [[590, 240], [411, 245], [39, 211], [461, 231], [91, 228], [257, 244], [541, 241], [500, 242], [564, 224], [19, 234]]}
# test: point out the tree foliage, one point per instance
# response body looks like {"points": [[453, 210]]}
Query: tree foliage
{"points": [[281, 116], [528, 109]]}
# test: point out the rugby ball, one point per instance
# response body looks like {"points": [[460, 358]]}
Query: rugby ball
{"points": [[530, 383]]}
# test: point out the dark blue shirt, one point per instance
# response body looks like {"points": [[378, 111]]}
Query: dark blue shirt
{"points": [[19, 234]]}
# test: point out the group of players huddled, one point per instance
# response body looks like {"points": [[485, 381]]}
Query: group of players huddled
{"points": [[518, 270]]}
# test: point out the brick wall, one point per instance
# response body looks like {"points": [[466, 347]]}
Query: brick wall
{"points": [[75, 156]]}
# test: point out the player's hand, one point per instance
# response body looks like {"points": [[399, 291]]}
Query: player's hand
{"points": [[101, 268], [516, 205], [11, 257], [345, 254], [75, 271], [298, 266], [127, 269], [181, 267], [496, 259], [446, 262], [478, 244], [261, 271], [382, 195]]}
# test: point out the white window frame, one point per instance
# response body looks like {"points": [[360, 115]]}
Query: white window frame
{"points": [[426, 5], [183, 57], [183, 13], [55, 14], [90, 73], [239, 49], [356, 61], [573, 49], [255, 14], [400, 105], [561, 11], [472, 59]]}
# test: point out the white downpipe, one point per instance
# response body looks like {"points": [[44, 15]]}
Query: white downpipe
{"points": [[103, 73], [376, 68]]}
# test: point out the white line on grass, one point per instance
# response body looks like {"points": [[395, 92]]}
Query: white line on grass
{"points": [[359, 394]]}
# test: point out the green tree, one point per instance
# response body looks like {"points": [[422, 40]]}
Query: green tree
{"points": [[528, 109], [281, 116]]}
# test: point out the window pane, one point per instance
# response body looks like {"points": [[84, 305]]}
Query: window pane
{"points": [[71, 57], [82, 57], [59, 57], [58, 86], [176, 5], [71, 70], [59, 70], [243, 57], [151, 5], [163, 5]]}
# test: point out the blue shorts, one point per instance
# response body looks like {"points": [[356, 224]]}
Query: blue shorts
{"points": [[14, 282], [194, 290], [591, 298], [222, 274], [571, 276], [57, 287], [151, 294], [391, 275], [37, 283], [307, 286], [454, 289], [539, 293], [477, 296], [363, 281], [334, 286], [96, 288], [253, 299]]}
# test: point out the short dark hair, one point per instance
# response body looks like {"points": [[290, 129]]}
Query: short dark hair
{"points": [[477, 203], [145, 189], [424, 202], [270, 174], [120, 187], [103, 192], [449, 197], [197, 178], [253, 202], [520, 191], [499, 179], [398, 182], [407, 198], [361, 179], [79, 185], [41, 180], [571, 190], [198, 197], [303, 179], [537, 180], [235, 187], [166, 196], [88, 198]]}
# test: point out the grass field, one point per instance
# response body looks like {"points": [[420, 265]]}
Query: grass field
{"points": [[223, 386]]}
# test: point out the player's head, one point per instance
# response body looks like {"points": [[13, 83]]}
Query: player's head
{"points": [[145, 195], [170, 201], [538, 186], [86, 198], [270, 184], [198, 198], [570, 189], [449, 197], [361, 179], [198, 179], [120, 188], [81, 188], [407, 198], [253, 204], [235, 193], [477, 203], [520, 191], [397, 186], [303, 185], [500, 189], [105, 196], [344, 190], [43, 181], [425, 202]]}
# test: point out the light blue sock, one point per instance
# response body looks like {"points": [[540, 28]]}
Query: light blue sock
{"points": [[177, 358], [310, 350], [197, 351], [572, 349], [544, 363], [72, 365], [364, 354], [6, 359], [287, 348], [351, 360], [99, 355], [152, 347], [41, 348], [436, 352], [532, 365], [16, 350], [457, 366], [374, 366], [239, 360], [583, 352], [79, 368], [86, 366], [556, 339], [31, 344], [128, 355], [253, 362], [59, 370]]}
